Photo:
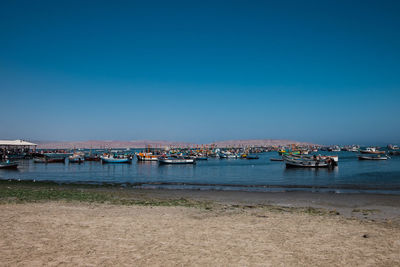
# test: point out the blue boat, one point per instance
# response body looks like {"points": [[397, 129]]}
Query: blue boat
{"points": [[8, 165]]}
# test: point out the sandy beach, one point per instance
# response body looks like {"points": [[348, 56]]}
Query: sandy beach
{"points": [[229, 231]]}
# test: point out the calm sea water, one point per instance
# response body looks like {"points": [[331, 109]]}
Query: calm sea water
{"points": [[351, 175]]}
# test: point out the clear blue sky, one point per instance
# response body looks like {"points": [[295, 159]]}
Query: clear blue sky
{"points": [[319, 71]]}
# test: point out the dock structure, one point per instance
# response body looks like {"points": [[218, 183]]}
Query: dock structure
{"points": [[16, 148]]}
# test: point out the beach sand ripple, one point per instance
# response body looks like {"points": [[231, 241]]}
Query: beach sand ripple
{"points": [[70, 234]]}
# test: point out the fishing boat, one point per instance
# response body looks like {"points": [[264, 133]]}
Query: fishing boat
{"points": [[371, 150], [112, 159], [48, 160], [289, 153], [333, 158], [76, 158], [379, 157], [222, 156], [354, 149], [393, 147], [92, 158], [308, 162], [178, 160], [8, 165], [57, 155], [252, 157], [146, 156], [334, 149]]}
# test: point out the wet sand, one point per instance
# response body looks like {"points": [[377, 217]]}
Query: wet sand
{"points": [[362, 206], [236, 229]]}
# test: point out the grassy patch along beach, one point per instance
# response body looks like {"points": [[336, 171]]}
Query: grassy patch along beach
{"points": [[47, 223], [28, 191]]}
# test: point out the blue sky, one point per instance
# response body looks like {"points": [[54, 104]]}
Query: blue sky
{"points": [[200, 71]]}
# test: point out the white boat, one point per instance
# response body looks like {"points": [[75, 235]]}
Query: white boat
{"points": [[222, 155], [354, 149], [176, 161], [379, 157], [112, 159], [393, 147], [309, 162], [371, 150], [76, 158], [334, 149]]}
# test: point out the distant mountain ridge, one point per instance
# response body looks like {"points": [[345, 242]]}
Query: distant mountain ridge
{"points": [[144, 143]]}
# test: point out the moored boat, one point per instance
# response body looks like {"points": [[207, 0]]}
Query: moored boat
{"points": [[76, 158], [49, 160], [309, 162], [146, 156], [371, 150], [8, 165], [179, 160], [112, 159], [275, 159], [379, 157], [92, 158], [222, 156], [334, 148]]}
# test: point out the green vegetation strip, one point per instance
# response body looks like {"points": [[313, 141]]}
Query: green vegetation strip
{"points": [[23, 192], [29, 191]]}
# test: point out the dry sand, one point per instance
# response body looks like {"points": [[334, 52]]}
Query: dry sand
{"points": [[60, 233]]}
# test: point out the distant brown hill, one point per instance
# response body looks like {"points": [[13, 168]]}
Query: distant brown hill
{"points": [[259, 142], [144, 143]]}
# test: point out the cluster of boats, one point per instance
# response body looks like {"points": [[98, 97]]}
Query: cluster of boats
{"points": [[80, 157], [300, 157]]}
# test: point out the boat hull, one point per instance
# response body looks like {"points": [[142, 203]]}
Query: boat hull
{"points": [[76, 160], [92, 158], [371, 158], [115, 160], [298, 162], [306, 165], [176, 161], [10, 165], [49, 160], [371, 152]]}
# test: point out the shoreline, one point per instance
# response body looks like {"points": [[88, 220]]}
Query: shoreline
{"points": [[375, 207], [84, 225]]}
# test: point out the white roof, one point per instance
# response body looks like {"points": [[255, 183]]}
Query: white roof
{"points": [[16, 143]]}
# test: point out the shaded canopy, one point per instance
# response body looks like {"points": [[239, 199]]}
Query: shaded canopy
{"points": [[16, 143]]}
